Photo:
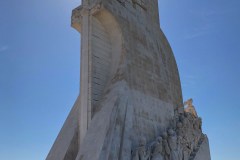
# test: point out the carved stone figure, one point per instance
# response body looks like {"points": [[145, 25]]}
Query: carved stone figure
{"points": [[172, 141], [166, 149], [179, 147], [184, 120], [190, 108], [178, 143], [158, 150], [200, 123], [180, 130], [186, 124], [175, 121], [197, 130], [142, 153], [185, 149], [196, 124], [135, 155]]}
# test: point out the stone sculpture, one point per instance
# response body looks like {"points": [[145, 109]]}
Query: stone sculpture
{"points": [[179, 147], [177, 143], [129, 87], [166, 147], [172, 141], [142, 152], [190, 108], [158, 150]]}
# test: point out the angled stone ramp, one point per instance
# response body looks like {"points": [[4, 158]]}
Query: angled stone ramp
{"points": [[102, 126], [203, 152], [66, 145]]}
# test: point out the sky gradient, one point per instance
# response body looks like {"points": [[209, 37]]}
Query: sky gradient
{"points": [[39, 67]]}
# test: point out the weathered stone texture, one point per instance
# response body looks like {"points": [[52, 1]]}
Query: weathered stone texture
{"points": [[130, 104], [150, 65]]}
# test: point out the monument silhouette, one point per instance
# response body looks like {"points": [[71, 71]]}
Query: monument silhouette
{"points": [[130, 105]]}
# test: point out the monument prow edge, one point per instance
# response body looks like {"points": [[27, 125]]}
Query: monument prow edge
{"points": [[67, 140]]}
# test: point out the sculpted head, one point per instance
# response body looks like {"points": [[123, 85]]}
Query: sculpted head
{"points": [[171, 132], [181, 118], [188, 102], [179, 125], [142, 141], [164, 135], [159, 139], [185, 114], [190, 116]]}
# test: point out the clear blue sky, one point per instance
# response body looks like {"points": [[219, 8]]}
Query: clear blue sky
{"points": [[39, 70]]}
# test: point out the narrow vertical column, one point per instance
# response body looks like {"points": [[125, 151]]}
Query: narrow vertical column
{"points": [[89, 113], [85, 75]]}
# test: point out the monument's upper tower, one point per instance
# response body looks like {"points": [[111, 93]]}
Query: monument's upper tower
{"points": [[122, 41], [130, 85]]}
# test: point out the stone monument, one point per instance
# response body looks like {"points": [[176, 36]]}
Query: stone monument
{"points": [[130, 105]]}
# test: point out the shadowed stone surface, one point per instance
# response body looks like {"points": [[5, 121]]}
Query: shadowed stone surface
{"points": [[204, 151]]}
